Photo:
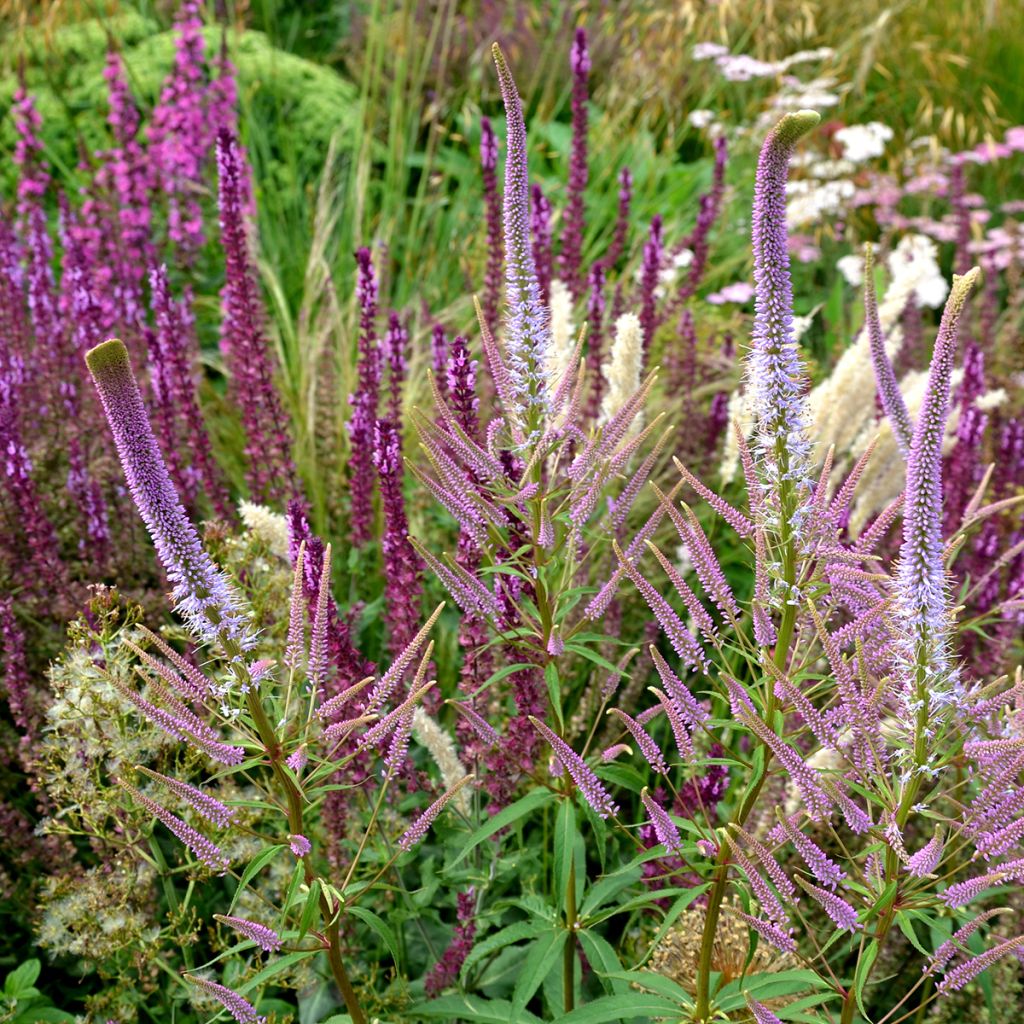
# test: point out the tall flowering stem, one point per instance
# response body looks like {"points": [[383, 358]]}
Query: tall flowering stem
{"points": [[527, 331], [573, 225], [243, 337], [776, 382], [920, 587]]}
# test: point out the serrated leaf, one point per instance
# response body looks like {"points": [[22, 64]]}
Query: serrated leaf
{"points": [[380, 926], [311, 908], [618, 1008], [508, 935], [542, 958], [604, 960], [533, 801], [472, 1008], [260, 861]]}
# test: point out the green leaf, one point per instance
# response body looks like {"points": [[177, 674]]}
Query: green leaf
{"points": [[604, 960], [22, 977], [565, 841], [533, 800], [472, 1008], [311, 909], [380, 926], [765, 987], [906, 925], [275, 967], [44, 1015], [505, 937], [257, 864], [618, 1008], [541, 960], [860, 977], [608, 888]]}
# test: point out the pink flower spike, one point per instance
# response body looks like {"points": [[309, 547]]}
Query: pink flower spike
{"points": [[266, 938], [843, 915], [664, 827], [926, 860], [241, 1009], [586, 781], [762, 1015], [418, 829]]}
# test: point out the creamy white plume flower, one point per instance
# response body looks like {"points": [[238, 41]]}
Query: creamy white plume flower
{"points": [[852, 269], [439, 744], [562, 342], [622, 371], [808, 201], [269, 527], [916, 258], [741, 417], [863, 142]]}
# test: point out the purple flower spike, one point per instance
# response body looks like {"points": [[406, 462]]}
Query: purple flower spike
{"points": [[664, 827], [586, 781], [970, 969], [926, 860], [202, 592], [492, 206], [540, 230], [364, 402], [649, 273], [921, 579], [774, 374], [885, 376], [201, 847], [241, 1009], [209, 807], [266, 938], [572, 231], [527, 319], [762, 1015], [651, 751], [843, 915], [271, 473], [418, 829]]}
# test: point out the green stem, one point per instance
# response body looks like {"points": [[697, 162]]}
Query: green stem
{"points": [[171, 894], [569, 953]]}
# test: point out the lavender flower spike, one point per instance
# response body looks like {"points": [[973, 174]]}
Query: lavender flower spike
{"points": [[586, 781], [418, 829], [202, 592], [921, 579], [885, 375], [664, 827], [266, 938], [970, 969], [527, 320], [774, 374], [241, 1009]]}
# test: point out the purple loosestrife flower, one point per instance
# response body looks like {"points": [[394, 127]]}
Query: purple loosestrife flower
{"points": [[202, 592], [176, 342], [446, 971], [462, 395], [586, 781], [963, 467], [920, 585], [492, 207], [775, 377], [266, 938], [573, 224], [364, 402], [241, 1009], [621, 233], [396, 343], [271, 473], [540, 231], [201, 847], [527, 332], [403, 586], [16, 677], [595, 330], [439, 358], [649, 273], [970, 969], [180, 134], [709, 209], [885, 376]]}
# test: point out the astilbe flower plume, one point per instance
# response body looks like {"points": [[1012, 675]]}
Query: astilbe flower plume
{"points": [[271, 473], [202, 593]]}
